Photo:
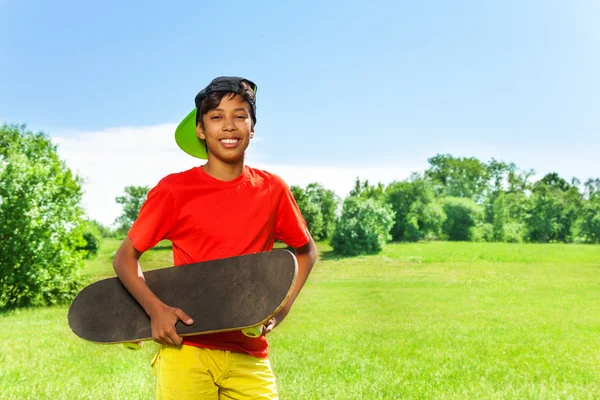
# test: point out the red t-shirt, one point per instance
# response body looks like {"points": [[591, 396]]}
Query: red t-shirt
{"points": [[208, 219]]}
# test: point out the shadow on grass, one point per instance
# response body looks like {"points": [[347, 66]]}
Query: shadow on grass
{"points": [[5, 312], [329, 255]]}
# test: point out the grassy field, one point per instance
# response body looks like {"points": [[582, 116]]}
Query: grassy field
{"points": [[419, 321]]}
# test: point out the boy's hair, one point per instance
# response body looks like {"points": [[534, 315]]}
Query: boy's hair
{"points": [[213, 100]]}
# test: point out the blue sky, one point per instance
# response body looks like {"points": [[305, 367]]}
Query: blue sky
{"points": [[363, 86]]}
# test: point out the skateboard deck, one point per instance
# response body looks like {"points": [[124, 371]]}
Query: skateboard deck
{"points": [[221, 295]]}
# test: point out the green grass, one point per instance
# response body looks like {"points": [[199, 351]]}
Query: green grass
{"points": [[419, 321]]}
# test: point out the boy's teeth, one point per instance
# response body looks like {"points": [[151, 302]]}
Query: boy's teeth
{"points": [[229, 141]]}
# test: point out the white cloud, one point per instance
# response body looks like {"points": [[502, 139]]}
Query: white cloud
{"points": [[111, 159], [114, 158]]}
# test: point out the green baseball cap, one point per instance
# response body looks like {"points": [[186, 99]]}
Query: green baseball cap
{"points": [[185, 134]]}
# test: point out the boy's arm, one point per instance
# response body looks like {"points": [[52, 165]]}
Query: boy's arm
{"points": [[163, 317], [306, 256]]}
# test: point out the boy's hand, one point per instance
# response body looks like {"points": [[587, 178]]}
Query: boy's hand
{"points": [[270, 325], [163, 321]]}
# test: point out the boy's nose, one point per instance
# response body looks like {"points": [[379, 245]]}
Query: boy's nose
{"points": [[228, 124]]}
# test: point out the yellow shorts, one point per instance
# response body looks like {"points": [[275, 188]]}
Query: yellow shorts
{"points": [[188, 372]]}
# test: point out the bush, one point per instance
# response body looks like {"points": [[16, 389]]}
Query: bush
{"points": [[328, 203], [318, 207], [418, 215], [483, 233], [103, 230], [462, 217], [363, 228], [513, 232], [93, 239], [589, 223]]}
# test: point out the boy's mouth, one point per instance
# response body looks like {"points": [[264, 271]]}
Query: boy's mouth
{"points": [[230, 143], [229, 140]]}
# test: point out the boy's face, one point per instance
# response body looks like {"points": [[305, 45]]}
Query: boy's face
{"points": [[227, 129]]}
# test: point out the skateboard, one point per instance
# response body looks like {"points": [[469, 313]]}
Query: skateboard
{"points": [[236, 293]]}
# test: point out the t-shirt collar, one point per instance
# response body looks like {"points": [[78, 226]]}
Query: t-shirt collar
{"points": [[217, 182]]}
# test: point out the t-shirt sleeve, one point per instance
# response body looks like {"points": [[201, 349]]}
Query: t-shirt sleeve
{"points": [[155, 220], [290, 226]]}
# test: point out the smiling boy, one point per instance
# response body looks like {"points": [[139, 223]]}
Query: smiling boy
{"points": [[220, 209]]}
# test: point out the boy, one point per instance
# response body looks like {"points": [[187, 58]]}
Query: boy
{"points": [[220, 209]]}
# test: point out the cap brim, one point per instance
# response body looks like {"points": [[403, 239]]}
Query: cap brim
{"points": [[185, 136]]}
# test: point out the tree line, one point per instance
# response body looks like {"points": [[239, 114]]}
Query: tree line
{"points": [[458, 198], [45, 235]]}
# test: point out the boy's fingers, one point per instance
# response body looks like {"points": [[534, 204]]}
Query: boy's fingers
{"points": [[159, 340], [270, 326], [175, 339], [184, 317]]}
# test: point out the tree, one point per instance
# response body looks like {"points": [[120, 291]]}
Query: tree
{"points": [[463, 215], [327, 201], [589, 218], [424, 221], [499, 217], [310, 211], [553, 210], [417, 212], [518, 181], [363, 228], [105, 231], [592, 188], [40, 221], [92, 237], [132, 202], [366, 191], [459, 177], [498, 173], [318, 207]]}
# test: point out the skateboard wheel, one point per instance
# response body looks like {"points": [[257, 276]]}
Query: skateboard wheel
{"points": [[133, 345], [253, 332]]}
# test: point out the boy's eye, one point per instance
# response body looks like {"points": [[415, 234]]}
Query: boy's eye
{"points": [[215, 117], [241, 116]]}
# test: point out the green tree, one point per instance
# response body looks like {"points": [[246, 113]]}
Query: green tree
{"points": [[92, 238], [459, 176], [462, 216], [591, 188], [553, 210], [132, 202], [40, 221], [105, 231], [418, 214], [425, 221], [363, 227], [328, 202], [310, 211], [509, 212], [499, 217], [519, 181], [506, 203], [589, 222], [367, 191], [498, 172]]}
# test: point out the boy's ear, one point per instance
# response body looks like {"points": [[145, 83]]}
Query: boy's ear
{"points": [[252, 133], [200, 132]]}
